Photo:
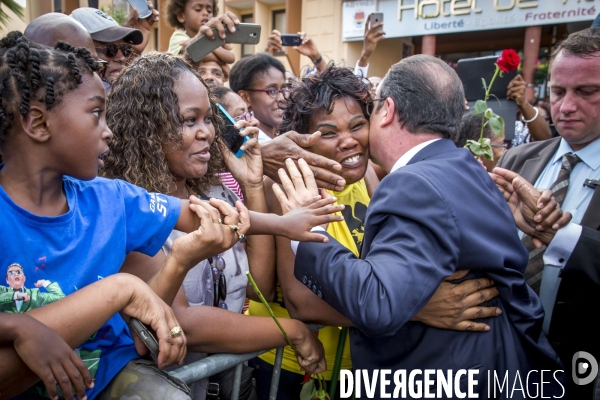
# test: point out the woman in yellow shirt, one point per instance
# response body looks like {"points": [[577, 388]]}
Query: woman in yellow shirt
{"points": [[335, 103]]}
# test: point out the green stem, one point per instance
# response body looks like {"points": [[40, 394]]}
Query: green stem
{"points": [[487, 94], [266, 304]]}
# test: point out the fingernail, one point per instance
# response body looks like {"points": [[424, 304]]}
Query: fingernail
{"points": [[498, 311], [92, 385], [537, 218], [539, 228], [281, 170], [84, 398], [555, 227], [487, 328]]}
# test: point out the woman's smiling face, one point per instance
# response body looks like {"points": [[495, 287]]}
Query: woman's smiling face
{"points": [[190, 158], [344, 137]]}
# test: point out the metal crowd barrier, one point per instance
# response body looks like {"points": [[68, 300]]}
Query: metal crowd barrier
{"points": [[216, 363]]}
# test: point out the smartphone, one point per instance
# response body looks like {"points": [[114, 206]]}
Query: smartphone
{"points": [[232, 136], [142, 8], [289, 39], [244, 34], [203, 46], [376, 17], [145, 333]]}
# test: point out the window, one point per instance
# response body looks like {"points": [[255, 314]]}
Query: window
{"points": [[247, 49], [279, 24]]}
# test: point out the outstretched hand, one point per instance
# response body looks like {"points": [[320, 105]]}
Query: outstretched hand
{"points": [[291, 145], [455, 306], [301, 204], [51, 359]]}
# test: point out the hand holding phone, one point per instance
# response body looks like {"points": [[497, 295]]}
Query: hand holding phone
{"points": [[142, 8], [146, 334], [232, 135]]}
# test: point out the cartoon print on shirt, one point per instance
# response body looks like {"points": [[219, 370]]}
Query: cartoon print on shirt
{"points": [[16, 298], [355, 220]]}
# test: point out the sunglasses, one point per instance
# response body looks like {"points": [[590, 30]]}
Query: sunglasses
{"points": [[217, 265], [112, 49]]}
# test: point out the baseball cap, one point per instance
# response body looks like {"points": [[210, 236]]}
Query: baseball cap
{"points": [[103, 28]]}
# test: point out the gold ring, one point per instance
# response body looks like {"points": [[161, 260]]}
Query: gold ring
{"points": [[234, 228], [176, 332]]}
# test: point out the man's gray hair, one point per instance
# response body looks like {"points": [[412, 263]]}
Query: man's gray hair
{"points": [[427, 93]]}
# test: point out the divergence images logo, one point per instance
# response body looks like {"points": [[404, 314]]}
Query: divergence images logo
{"points": [[585, 368]]}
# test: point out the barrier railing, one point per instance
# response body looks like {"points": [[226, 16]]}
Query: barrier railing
{"points": [[216, 363]]}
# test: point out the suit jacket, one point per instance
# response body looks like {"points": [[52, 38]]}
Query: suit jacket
{"points": [[438, 214], [572, 327]]}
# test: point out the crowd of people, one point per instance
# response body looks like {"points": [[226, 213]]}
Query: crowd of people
{"points": [[352, 202]]}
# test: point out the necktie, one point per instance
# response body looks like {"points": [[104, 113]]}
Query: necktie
{"points": [[535, 266]]}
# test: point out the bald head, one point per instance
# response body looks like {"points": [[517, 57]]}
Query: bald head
{"points": [[51, 28]]}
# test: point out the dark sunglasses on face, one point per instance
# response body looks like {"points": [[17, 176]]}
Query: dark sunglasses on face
{"points": [[112, 49], [14, 272]]}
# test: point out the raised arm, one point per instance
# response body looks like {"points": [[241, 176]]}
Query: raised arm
{"points": [[538, 127]]}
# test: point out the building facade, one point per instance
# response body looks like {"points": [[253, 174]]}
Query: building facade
{"points": [[450, 29]]}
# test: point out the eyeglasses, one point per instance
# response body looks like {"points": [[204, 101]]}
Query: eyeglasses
{"points": [[14, 272], [503, 145], [112, 49], [272, 92], [246, 116], [371, 105], [217, 265]]}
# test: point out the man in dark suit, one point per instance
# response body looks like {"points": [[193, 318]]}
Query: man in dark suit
{"points": [[570, 271], [436, 212]]}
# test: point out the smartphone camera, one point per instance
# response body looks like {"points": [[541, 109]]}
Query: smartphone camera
{"points": [[288, 39]]}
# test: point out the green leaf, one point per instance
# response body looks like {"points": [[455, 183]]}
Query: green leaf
{"points": [[484, 84], [308, 390], [480, 148], [488, 113], [13, 6], [479, 107], [497, 125]]}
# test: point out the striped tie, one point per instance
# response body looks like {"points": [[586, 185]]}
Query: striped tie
{"points": [[535, 266]]}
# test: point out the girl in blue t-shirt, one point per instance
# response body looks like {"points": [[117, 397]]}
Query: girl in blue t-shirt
{"points": [[65, 232]]}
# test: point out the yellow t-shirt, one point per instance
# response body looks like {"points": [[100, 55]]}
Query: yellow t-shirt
{"points": [[177, 38], [349, 233]]}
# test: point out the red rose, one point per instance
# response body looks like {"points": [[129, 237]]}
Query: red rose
{"points": [[508, 61]]}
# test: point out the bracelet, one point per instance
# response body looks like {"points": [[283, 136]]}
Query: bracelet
{"points": [[537, 112], [318, 60]]}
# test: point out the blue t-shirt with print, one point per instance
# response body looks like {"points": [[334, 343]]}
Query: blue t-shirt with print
{"points": [[58, 255]]}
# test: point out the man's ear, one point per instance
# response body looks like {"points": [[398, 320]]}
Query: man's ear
{"points": [[389, 112], [35, 123], [245, 96]]}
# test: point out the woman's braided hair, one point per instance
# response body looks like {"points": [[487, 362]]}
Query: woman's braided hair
{"points": [[32, 71], [143, 115]]}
